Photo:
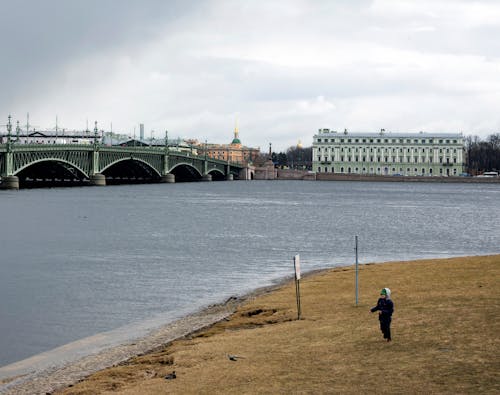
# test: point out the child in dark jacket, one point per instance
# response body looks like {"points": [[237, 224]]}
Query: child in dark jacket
{"points": [[385, 307]]}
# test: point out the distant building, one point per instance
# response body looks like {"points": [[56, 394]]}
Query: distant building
{"points": [[415, 154], [234, 152], [177, 145], [53, 137], [136, 143]]}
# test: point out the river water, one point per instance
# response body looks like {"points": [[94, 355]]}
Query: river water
{"points": [[76, 262]]}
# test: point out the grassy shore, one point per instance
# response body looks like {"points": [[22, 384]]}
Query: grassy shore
{"points": [[445, 328]]}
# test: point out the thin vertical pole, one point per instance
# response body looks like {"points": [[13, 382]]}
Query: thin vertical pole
{"points": [[356, 249], [299, 312], [296, 265]]}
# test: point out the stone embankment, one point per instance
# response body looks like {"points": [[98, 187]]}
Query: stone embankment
{"points": [[360, 177], [310, 176], [296, 175]]}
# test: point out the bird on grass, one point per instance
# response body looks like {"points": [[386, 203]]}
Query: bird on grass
{"points": [[234, 357], [171, 376]]}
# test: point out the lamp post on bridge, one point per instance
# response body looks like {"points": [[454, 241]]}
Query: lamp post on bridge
{"points": [[167, 177], [9, 130], [96, 178], [9, 180], [18, 132], [206, 176], [96, 135]]}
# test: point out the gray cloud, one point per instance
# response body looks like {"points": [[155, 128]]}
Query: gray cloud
{"points": [[40, 38], [285, 68]]}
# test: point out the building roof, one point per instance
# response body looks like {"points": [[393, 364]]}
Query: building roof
{"points": [[388, 135], [59, 134]]}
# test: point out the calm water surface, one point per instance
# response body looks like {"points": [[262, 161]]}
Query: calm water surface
{"points": [[76, 262]]}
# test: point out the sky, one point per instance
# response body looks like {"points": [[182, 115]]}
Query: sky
{"points": [[280, 69]]}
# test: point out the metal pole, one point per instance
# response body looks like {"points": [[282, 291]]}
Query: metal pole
{"points": [[298, 300], [356, 248], [296, 265]]}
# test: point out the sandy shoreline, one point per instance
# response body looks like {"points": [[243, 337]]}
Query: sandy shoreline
{"points": [[50, 379], [60, 375]]}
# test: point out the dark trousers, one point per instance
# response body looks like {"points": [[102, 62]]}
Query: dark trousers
{"points": [[385, 327]]}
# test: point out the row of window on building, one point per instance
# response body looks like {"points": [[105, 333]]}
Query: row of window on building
{"points": [[386, 159], [387, 171], [388, 150], [387, 141]]}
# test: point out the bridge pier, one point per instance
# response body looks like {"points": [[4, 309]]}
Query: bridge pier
{"points": [[206, 177], [98, 179], [229, 177], [10, 182], [168, 178]]}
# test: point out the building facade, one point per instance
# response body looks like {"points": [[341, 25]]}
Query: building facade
{"points": [[234, 152], [416, 154]]}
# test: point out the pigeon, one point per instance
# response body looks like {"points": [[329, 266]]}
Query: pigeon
{"points": [[233, 357], [170, 376]]}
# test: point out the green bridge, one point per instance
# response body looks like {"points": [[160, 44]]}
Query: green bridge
{"points": [[27, 165]]}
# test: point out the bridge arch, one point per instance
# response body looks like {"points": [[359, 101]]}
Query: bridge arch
{"points": [[56, 160], [130, 170], [51, 172], [217, 175], [185, 172]]}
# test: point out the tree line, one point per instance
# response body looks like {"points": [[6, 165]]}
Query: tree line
{"points": [[294, 158], [482, 155]]}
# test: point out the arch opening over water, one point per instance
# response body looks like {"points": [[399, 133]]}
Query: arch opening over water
{"points": [[130, 171], [217, 175], [185, 173], [51, 173]]}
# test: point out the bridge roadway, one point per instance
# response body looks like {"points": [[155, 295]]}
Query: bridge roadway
{"points": [[95, 164]]}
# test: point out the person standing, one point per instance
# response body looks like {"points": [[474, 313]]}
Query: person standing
{"points": [[385, 307]]}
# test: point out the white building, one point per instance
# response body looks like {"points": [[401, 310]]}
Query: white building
{"points": [[51, 137], [415, 154]]}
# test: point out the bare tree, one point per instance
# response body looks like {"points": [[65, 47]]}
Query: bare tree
{"points": [[299, 158], [482, 155]]}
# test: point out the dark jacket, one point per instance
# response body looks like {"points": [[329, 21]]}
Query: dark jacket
{"points": [[386, 307]]}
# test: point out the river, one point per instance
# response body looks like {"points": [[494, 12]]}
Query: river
{"points": [[80, 261]]}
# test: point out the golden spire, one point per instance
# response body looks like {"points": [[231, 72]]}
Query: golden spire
{"points": [[236, 139], [236, 131]]}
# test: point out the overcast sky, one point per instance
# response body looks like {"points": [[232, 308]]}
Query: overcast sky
{"points": [[283, 68]]}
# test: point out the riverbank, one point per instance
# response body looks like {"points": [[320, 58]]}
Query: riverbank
{"points": [[445, 338], [390, 178], [288, 174], [62, 367]]}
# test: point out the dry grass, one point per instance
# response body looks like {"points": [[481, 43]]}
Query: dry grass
{"points": [[445, 338]]}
